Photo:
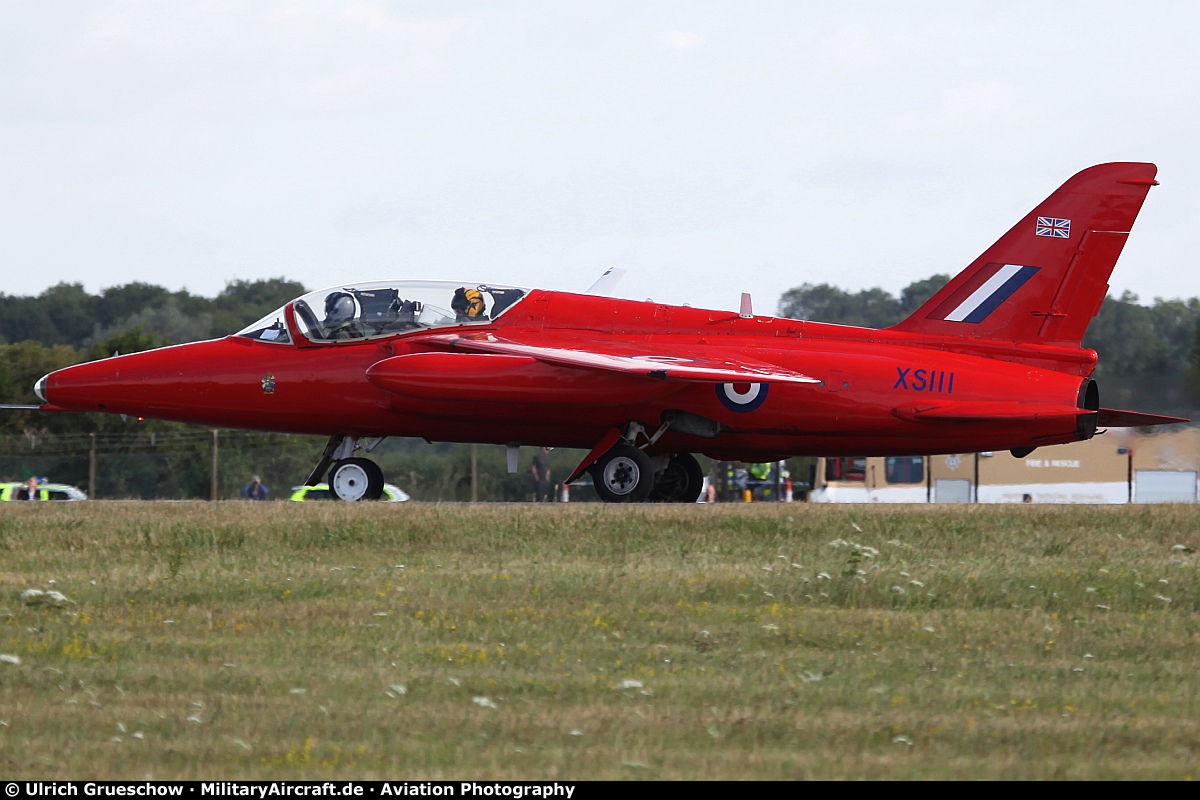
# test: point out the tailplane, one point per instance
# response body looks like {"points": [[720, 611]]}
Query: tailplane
{"points": [[1045, 279]]}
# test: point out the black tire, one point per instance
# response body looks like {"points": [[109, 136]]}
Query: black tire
{"points": [[623, 475], [375, 480], [355, 479], [681, 481]]}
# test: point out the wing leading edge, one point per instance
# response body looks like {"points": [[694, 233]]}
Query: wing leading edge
{"points": [[663, 364]]}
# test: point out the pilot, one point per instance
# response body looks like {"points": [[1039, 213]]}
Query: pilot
{"points": [[339, 320], [468, 305]]}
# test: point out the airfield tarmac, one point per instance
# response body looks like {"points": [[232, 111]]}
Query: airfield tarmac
{"points": [[765, 641]]}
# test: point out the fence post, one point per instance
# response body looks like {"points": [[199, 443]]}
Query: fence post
{"points": [[474, 473], [92, 467], [214, 466]]}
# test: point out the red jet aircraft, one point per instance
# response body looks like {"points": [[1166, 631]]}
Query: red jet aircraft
{"points": [[993, 361]]}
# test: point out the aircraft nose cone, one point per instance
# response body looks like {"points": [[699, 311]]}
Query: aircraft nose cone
{"points": [[82, 387], [152, 383]]}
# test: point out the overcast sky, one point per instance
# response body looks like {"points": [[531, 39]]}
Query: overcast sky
{"points": [[707, 148]]}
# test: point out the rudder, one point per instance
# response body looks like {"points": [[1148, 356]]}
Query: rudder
{"points": [[1044, 280]]}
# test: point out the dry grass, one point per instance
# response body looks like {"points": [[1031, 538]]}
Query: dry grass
{"points": [[588, 642]]}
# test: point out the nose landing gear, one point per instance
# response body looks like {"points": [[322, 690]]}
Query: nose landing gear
{"points": [[350, 478], [355, 479]]}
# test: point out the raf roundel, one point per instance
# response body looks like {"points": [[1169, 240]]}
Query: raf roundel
{"points": [[742, 397]]}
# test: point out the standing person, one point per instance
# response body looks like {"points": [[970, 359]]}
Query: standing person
{"points": [[255, 489], [541, 475], [29, 491], [727, 482]]}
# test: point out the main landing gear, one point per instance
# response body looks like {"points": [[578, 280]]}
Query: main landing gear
{"points": [[624, 473], [680, 481], [350, 478]]}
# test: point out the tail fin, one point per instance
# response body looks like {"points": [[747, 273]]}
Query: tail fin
{"points": [[1045, 279]]}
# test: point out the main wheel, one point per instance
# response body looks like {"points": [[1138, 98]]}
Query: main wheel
{"points": [[623, 475], [356, 479], [681, 481]]}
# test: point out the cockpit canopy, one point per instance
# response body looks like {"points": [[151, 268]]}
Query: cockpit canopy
{"points": [[384, 308]]}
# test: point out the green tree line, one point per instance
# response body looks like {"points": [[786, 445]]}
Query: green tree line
{"points": [[1148, 360], [1149, 354], [65, 325], [66, 314]]}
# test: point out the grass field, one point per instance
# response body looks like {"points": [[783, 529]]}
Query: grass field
{"points": [[586, 642]]}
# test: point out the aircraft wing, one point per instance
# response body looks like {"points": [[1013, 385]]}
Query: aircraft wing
{"points": [[1115, 418], [652, 361]]}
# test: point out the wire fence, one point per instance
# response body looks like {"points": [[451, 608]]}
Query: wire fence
{"points": [[16, 445], [194, 463], [183, 464]]}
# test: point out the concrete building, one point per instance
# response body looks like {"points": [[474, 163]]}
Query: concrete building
{"points": [[1122, 466]]}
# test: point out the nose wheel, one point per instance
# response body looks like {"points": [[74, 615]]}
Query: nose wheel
{"points": [[354, 479]]}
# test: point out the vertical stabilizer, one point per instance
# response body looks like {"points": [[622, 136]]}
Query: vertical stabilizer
{"points": [[1045, 279]]}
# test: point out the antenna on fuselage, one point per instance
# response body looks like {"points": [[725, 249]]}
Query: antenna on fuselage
{"points": [[606, 284], [747, 310]]}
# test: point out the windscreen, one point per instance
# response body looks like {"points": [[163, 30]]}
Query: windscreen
{"points": [[372, 310], [271, 328]]}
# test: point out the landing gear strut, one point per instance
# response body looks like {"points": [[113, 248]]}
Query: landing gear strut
{"points": [[350, 478], [622, 472]]}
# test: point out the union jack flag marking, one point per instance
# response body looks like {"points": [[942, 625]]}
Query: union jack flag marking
{"points": [[1053, 226]]}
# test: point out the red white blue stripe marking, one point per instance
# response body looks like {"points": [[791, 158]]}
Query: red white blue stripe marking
{"points": [[983, 293]]}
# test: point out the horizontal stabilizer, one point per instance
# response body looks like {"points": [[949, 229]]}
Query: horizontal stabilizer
{"points": [[985, 412], [647, 360], [1115, 418], [20, 408]]}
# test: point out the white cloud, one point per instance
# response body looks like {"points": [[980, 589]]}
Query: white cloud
{"points": [[851, 51], [967, 108], [681, 40], [202, 141]]}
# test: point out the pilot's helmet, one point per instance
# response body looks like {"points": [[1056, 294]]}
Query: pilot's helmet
{"points": [[467, 303], [339, 307]]}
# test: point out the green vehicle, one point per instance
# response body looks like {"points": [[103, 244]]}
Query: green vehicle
{"points": [[301, 494], [45, 491]]}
